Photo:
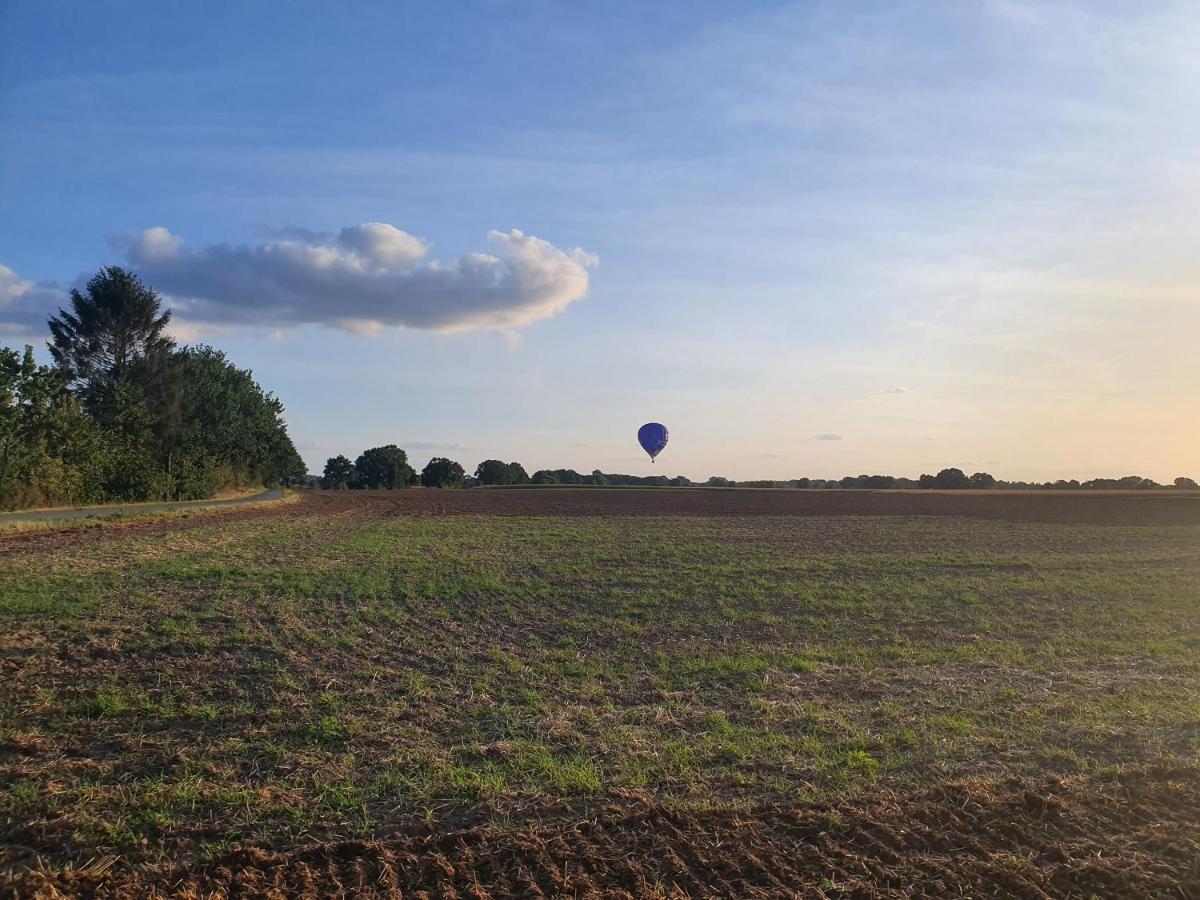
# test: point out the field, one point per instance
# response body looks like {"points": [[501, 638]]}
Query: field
{"points": [[604, 692]]}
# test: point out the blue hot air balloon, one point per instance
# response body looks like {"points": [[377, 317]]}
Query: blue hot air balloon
{"points": [[653, 437]]}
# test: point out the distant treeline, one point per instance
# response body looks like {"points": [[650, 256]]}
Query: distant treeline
{"points": [[387, 467], [956, 479], [945, 479], [125, 415]]}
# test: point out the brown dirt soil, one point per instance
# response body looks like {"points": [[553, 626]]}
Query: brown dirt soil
{"points": [[312, 505], [1137, 835], [1098, 507]]}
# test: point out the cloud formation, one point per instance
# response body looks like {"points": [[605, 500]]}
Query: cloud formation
{"points": [[368, 277], [827, 437], [25, 305]]}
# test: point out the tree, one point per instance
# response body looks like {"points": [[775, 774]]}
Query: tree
{"points": [[441, 472], [109, 330], [124, 416], [383, 467], [215, 426], [951, 479], [112, 348], [493, 471], [1186, 484], [559, 476], [719, 481], [50, 451], [339, 473], [983, 480]]}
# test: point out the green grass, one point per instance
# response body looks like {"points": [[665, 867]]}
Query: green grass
{"points": [[167, 695]]}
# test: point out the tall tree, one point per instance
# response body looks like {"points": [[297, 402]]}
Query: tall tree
{"points": [[107, 331], [383, 467], [215, 426], [951, 478], [339, 473], [50, 451], [441, 472], [493, 471]]}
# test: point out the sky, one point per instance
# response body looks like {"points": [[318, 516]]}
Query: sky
{"points": [[813, 239]]}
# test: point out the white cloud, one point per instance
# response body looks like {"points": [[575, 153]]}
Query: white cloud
{"points": [[827, 437], [26, 305], [11, 286], [383, 245], [372, 276], [192, 332]]}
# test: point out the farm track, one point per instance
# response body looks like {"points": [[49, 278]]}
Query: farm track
{"points": [[1134, 836]]}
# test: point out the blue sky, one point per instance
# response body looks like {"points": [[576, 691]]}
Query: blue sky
{"points": [[930, 233]]}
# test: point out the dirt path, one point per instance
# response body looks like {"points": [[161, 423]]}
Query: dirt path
{"points": [[130, 509]]}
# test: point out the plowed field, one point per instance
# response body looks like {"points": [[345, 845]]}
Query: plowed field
{"points": [[593, 692]]}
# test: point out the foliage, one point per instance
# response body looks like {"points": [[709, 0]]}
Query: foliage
{"points": [[215, 426], [383, 467], [50, 451], [952, 479], [339, 474], [570, 476], [493, 471], [440, 472], [123, 416], [105, 334]]}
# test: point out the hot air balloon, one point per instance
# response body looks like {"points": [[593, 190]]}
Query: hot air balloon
{"points": [[653, 437]]}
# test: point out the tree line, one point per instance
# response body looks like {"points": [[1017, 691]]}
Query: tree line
{"points": [[387, 468], [365, 472], [124, 415], [957, 479]]}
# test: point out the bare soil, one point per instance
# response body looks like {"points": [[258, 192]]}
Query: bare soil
{"points": [[357, 652], [1107, 507], [1137, 835], [1084, 507]]}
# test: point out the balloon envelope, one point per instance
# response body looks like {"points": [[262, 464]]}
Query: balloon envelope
{"points": [[653, 437]]}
